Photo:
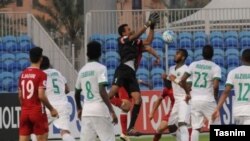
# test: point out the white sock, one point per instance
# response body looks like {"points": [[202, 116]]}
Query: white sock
{"points": [[33, 137], [195, 135], [178, 135], [67, 137], [184, 133]]}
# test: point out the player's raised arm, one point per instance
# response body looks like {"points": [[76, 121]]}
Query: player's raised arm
{"points": [[151, 51], [153, 19]]}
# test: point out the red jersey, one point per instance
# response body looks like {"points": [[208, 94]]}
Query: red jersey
{"points": [[31, 80]]}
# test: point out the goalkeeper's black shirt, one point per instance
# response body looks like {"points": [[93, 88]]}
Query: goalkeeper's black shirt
{"points": [[130, 50]]}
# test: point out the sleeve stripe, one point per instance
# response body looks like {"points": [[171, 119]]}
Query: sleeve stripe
{"points": [[228, 84], [218, 78], [103, 83]]}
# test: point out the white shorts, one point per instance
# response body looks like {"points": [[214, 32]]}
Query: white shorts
{"points": [[93, 126], [242, 120], [63, 122], [201, 110], [180, 112]]}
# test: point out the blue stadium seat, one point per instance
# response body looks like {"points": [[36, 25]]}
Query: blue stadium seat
{"points": [[7, 56], [9, 65], [146, 55], [97, 37], [199, 43], [230, 68], [158, 44], [216, 34], [171, 61], [20, 56], [112, 55], [219, 52], [244, 34], [217, 42], [143, 36], [231, 42], [23, 64], [160, 53], [161, 65], [10, 43], [1, 46], [144, 63], [143, 73], [223, 71], [190, 53], [111, 72], [111, 45], [7, 84], [172, 45], [245, 42], [231, 34], [171, 52], [25, 43], [157, 84], [156, 71], [197, 52], [219, 60], [185, 35], [186, 43], [113, 37], [158, 35], [200, 35], [233, 61], [111, 63], [197, 58], [5, 75], [16, 75], [232, 51], [189, 60]]}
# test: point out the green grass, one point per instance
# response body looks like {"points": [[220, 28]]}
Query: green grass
{"points": [[203, 137]]}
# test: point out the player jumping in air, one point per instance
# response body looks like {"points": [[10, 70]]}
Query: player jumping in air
{"points": [[239, 80], [32, 97], [206, 76], [96, 110], [167, 91], [55, 90], [125, 75]]}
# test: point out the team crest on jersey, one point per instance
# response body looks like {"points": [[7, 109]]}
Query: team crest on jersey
{"points": [[178, 74]]}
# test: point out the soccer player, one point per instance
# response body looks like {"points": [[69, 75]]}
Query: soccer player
{"points": [[92, 80], [239, 79], [123, 101], [55, 90], [31, 93], [180, 113], [205, 75], [125, 75], [167, 91]]}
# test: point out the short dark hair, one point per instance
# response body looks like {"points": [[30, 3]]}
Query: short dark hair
{"points": [[94, 50], [121, 29], [184, 53], [45, 63], [208, 52], [35, 54], [246, 55]]}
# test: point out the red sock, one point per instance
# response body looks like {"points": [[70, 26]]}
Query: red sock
{"points": [[157, 137], [124, 120], [116, 101], [190, 132]]}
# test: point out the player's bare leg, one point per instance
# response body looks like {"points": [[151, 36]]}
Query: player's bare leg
{"points": [[163, 126], [24, 138], [66, 136], [43, 137], [134, 114]]}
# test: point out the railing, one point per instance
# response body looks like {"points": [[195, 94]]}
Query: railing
{"points": [[58, 60], [107, 22], [16, 25]]}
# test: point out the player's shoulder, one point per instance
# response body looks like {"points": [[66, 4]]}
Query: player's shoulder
{"points": [[237, 69], [172, 67]]}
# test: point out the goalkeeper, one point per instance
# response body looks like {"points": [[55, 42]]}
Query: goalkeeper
{"points": [[130, 51]]}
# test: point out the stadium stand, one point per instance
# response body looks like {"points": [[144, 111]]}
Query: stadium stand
{"points": [[227, 49]]}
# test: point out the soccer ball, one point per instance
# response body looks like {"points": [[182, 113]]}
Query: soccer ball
{"points": [[168, 36]]}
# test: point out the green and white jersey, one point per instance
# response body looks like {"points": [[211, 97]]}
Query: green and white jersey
{"points": [[89, 78], [55, 87], [179, 92], [203, 73], [239, 79]]}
